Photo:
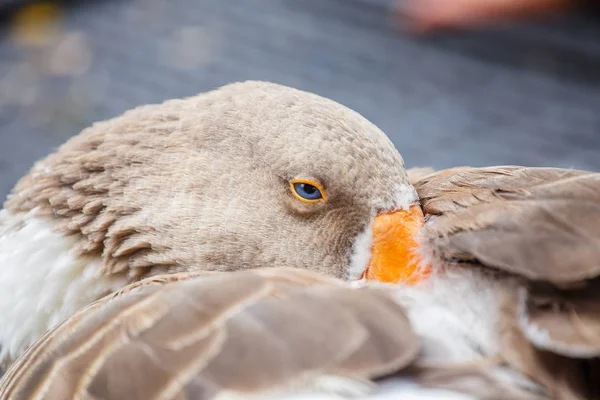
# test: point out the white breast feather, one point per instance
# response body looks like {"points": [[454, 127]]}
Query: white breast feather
{"points": [[456, 313], [41, 281]]}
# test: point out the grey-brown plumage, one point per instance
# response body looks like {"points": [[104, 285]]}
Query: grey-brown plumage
{"points": [[540, 227], [474, 216], [509, 309], [198, 336]]}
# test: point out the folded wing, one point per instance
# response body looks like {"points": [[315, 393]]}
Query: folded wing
{"points": [[199, 335], [542, 226]]}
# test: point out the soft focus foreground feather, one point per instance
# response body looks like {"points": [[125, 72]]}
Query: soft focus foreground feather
{"points": [[199, 335], [540, 227]]}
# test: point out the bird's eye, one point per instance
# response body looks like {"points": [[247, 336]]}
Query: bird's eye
{"points": [[308, 191]]}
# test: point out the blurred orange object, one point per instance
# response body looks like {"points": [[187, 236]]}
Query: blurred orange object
{"points": [[35, 25], [421, 16]]}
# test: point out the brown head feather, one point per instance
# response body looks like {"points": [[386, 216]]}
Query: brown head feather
{"points": [[205, 181]]}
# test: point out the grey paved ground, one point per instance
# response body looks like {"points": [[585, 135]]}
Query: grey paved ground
{"points": [[521, 95]]}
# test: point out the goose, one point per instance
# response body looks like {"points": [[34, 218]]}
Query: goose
{"points": [[251, 174], [465, 283]]}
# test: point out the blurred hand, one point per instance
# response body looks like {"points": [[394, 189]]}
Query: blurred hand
{"points": [[421, 16]]}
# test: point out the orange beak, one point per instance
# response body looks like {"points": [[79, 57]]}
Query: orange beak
{"points": [[393, 254]]}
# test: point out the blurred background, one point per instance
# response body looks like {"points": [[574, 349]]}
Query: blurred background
{"points": [[518, 93]]}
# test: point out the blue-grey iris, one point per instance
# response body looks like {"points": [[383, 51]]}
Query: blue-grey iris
{"points": [[307, 191]]}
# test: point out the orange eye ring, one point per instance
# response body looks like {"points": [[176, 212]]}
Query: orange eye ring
{"points": [[308, 191]]}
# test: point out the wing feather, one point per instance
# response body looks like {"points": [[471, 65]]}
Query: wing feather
{"points": [[200, 335], [541, 226]]}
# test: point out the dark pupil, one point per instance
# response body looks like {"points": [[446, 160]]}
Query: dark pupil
{"points": [[309, 189]]}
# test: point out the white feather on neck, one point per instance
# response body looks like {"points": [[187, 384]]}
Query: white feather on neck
{"points": [[361, 253], [42, 281], [456, 313]]}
